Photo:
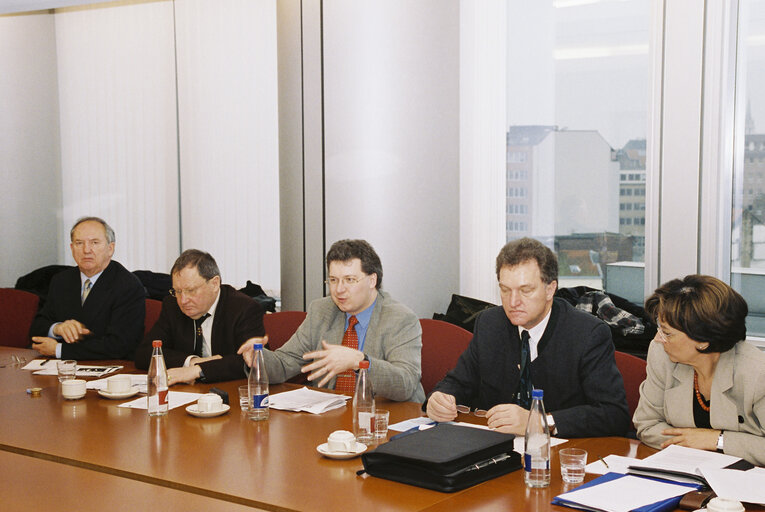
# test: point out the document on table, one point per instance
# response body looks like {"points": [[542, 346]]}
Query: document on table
{"points": [[48, 367], [174, 399], [306, 400], [613, 464], [138, 380], [748, 486], [621, 494], [681, 464]]}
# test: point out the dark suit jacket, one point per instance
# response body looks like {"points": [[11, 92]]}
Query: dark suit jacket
{"points": [[114, 312], [237, 318], [575, 367]]}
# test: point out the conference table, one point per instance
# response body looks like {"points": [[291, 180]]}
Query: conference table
{"points": [[89, 453]]}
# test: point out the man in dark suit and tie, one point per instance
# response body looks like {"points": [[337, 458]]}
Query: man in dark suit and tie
{"points": [[203, 324], [94, 311], [536, 341]]}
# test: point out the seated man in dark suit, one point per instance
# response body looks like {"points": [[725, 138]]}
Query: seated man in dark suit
{"points": [[203, 324], [94, 311], [534, 341]]}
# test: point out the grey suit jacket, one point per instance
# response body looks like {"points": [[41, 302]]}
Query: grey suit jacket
{"points": [[737, 404], [393, 345]]}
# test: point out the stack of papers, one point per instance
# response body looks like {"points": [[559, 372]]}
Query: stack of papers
{"points": [[681, 464], [48, 367], [307, 400]]}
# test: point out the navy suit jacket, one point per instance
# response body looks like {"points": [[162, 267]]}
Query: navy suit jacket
{"points": [[114, 312], [237, 318], [583, 388]]}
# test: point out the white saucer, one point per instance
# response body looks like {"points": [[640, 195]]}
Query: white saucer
{"points": [[74, 397], [192, 409], [324, 450], [118, 396]]}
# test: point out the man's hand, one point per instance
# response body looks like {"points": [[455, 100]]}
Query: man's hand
{"points": [[701, 438], [246, 349], [508, 418], [71, 330], [183, 375], [442, 407], [44, 345], [330, 361]]}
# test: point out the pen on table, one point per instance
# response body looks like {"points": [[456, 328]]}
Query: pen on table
{"points": [[604, 462], [44, 362]]}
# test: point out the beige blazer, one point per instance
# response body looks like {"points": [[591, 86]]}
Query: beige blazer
{"points": [[393, 345], [737, 404]]}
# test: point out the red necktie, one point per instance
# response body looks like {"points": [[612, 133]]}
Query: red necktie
{"points": [[346, 381]]}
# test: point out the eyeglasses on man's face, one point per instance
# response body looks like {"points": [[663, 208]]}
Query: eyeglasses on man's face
{"points": [[187, 292], [346, 280]]}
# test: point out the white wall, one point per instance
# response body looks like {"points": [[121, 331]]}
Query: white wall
{"points": [[29, 151], [391, 110]]}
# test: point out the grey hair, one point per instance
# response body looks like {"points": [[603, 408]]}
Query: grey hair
{"points": [[110, 238]]}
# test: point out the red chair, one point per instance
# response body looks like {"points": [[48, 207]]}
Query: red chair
{"points": [[153, 309], [442, 345], [280, 326], [633, 370], [17, 310]]}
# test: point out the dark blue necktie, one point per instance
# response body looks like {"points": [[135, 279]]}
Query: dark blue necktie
{"points": [[524, 388]]}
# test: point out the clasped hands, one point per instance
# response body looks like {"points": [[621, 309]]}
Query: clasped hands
{"points": [[505, 418], [328, 362], [71, 331], [700, 438]]}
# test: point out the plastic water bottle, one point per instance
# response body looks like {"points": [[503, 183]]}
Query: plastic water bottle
{"points": [[364, 407], [258, 385], [536, 457], [157, 381]]}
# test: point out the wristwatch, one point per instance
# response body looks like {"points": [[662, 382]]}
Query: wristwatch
{"points": [[720, 442], [551, 425]]}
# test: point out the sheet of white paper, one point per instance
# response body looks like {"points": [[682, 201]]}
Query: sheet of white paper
{"points": [[686, 459], [518, 443], [616, 464], [624, 494], [403, 426], [746, 486], [40, 364], [174, 399], [82, 370], [307, 400], [135, 380]]}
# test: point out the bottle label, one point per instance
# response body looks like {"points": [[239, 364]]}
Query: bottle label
{"points": [[531, 463], [366, 421], [260, 401], [162, 395]]}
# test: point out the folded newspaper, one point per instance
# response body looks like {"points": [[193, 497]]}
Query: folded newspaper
{"points": [[307, 400]]}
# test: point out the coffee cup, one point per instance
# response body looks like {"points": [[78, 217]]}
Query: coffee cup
{"points": [[73, 388], [341, 441], [209, 402], [724, 505], [118, 384]]}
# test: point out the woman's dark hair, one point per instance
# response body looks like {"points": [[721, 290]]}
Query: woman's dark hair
{"points": [[704, 308]]}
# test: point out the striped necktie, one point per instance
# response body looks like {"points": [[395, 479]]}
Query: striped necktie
{"points": [[199, 337], [86, 290], [346, 381]]}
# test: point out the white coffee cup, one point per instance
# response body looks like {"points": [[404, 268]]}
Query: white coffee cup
{"points": [[209, 402], [73, 388], [724, 505], [341, 441], [118, 384]]}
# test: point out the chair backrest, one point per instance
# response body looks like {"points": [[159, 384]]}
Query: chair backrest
{"points": [[442, 345], [153, 309], [633, 370], [17, 310], [280, 326]]}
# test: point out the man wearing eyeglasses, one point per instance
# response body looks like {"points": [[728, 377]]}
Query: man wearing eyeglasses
{"points": [[202, 324], [357, 322], [535, 341], [95, 310]]}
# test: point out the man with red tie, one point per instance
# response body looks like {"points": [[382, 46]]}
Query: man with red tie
{"points": [[357, 322]]}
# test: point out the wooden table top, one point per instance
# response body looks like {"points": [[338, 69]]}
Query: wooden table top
{"points": [[271, 465]]}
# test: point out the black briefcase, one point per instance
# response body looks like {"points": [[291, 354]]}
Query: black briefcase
{"points": [[444, 458]]}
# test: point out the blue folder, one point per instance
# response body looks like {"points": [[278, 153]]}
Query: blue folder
{"points": [[659, 506]]}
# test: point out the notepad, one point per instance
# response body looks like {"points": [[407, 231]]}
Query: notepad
{"points": [[307, 400]]}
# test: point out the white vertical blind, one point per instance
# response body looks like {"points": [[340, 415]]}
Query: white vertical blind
{"points": [[483, 96], [116, 85], [228, 118]]}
